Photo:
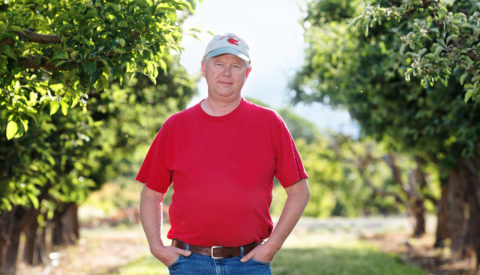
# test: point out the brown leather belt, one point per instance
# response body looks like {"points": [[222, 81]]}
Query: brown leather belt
{"points": [[216, 252]]}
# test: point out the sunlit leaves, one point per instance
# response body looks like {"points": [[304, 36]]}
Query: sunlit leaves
{"points": [[64, 126], [449, 32], [12, 129], [78, 46], [400, 82]]}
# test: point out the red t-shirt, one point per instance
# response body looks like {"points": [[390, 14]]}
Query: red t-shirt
{"points": [[222, 169]]}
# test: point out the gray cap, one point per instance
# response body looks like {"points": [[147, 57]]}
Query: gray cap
{"points": [[227, 43]]}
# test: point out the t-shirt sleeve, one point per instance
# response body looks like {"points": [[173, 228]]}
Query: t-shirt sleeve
{"points": [[154, 172], [288, 165]]}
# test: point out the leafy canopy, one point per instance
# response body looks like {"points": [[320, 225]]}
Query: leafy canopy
{"points": [[55, 53]]}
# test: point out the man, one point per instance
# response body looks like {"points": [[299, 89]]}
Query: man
{"points": [[221, 156]]}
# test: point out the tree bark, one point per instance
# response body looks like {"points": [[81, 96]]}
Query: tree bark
{"points": [[442, 232], [412, 191], [473, 226], [34, 252], [12, 223], [417, 210], [65, 225], [456, 210], [9, 265]]}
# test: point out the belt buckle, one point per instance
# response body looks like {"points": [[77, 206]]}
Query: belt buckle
{"points": [[211, 252]]}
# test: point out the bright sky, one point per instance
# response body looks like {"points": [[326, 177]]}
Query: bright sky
{"points": [[272, 30]]}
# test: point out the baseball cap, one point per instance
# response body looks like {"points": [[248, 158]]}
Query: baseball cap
{"points": [[227, 43]]}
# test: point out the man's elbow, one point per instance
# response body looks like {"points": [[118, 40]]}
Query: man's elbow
{"points": [[300, 190], [306, 192], [150, 194]]}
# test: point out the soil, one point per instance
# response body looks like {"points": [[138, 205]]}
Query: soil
{"points": [[420, 252], [98, 252]]}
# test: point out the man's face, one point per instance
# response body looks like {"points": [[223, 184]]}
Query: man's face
{"points": [[225, 75]]}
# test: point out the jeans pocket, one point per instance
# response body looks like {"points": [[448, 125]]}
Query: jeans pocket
{"points": [[259, 262], [176, 261]]}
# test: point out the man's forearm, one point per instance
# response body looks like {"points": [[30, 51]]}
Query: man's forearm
{"points": [[298, 196], [151, 217]]}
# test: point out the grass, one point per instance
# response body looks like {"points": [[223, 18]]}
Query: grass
{"points": [[312, 251]]}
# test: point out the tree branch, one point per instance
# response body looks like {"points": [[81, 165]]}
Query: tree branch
{"points": [[382, 192], [37, 63], [40, 38], [7, 41], [33, 37]]}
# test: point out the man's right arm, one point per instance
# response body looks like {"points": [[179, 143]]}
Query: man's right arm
{"points": [[151, 218]]}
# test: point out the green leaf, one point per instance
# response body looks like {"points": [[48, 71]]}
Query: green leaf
{"points": [[122, 24], [7, 50], [118, 50], [163, 65], [121, 42], [64, 107], [34, 200], [24, 124], [75, 100], [15, 28], [59, 56], [33, 99], [12, 129], [468, 95], [91, 67], [54, 105], [463, 77], [6, 204]]}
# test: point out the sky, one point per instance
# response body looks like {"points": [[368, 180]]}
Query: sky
{"points": [[272, 30]]}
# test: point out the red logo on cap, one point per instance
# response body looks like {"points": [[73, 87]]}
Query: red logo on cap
{"points": [[233, 41]]}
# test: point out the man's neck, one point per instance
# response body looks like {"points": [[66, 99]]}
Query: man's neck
{"points": [[219, 108]]}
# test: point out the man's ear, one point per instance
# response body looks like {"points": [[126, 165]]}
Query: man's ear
{"points": [[248, 71], [204, 68]]}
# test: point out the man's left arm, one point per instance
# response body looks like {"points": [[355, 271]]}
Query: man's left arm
{"points": [[298, 196]]}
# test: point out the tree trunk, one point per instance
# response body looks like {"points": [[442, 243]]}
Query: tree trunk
{"points": [[9, 266], [65, 225], [70, 223], [464, 209], [412, 191], [473, 234], [34, 252], [417, 210], [12, 223], [57, 230], [456, 210], [442, 221]]}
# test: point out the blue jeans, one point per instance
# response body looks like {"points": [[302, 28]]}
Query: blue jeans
{"points": [[196, 264]]}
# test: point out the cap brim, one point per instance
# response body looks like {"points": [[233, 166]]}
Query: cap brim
{"points": [[228, 50]]}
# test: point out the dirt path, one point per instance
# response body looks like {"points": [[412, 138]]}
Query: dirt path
{"points": [[99, 251]]}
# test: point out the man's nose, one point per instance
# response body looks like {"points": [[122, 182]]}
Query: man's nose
{"points": [[227, 70]]}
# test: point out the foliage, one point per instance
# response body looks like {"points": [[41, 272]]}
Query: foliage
{"points": [[54, 55], [69, 156], [365, 74], [337, 185], [365, 69], [439, 38]]}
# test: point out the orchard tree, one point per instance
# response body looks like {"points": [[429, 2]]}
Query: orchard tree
{"points": [[55, 57], [442, 39], [365, 72], [339, 167], [55, 54]]}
